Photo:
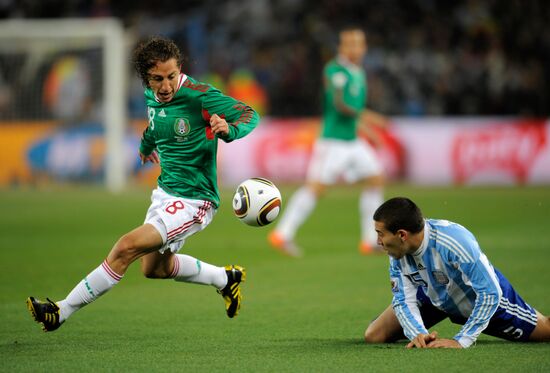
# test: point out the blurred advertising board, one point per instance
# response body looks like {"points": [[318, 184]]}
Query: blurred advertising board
{"points": [[280, 150], [424, 151], [475, 151], [40, 152]]}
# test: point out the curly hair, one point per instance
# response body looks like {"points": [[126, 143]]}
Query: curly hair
{"points": [[151, 51]]}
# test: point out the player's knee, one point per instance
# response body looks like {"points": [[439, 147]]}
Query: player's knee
{"points": [[546, 337], [542, 330], [125, 249], [378, 332], [373, 334], [153, 272], [317, 189], [376, 181]]}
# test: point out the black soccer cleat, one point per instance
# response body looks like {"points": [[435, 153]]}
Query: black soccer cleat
{"points": [[45, 313], [231, 293]]}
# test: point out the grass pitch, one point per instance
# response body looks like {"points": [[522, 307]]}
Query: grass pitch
{"points": [[298, 315]]}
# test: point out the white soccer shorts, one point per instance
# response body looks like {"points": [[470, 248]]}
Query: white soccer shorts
{"points": [[335, 160], [177, 218]]}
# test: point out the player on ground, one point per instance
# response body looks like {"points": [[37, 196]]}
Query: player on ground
{"points": [[186, 119], [438, 271], [339, 153]]}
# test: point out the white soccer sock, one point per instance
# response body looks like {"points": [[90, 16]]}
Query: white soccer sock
{"points": [[97, 283], [189, 269], [299, 207], [369, 201]]}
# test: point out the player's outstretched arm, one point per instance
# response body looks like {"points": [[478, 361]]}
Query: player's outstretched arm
{"points": [[371, 117], [228, 118]]}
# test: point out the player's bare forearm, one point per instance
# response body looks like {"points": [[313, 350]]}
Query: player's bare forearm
{"points": [[371, 117], [370, 134], [370, 124]]}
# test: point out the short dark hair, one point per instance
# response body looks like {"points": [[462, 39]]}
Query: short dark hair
{"points": [[350, 27], [400, 213], [151, 51]]}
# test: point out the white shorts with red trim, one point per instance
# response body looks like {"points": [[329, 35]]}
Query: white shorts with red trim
{"points": [[333, 161], [177, 218]]}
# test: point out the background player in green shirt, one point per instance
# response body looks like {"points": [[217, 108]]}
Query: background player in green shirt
{"points": [[339, 155], [186, 119]]}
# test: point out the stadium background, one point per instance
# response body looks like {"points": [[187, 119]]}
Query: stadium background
{"points": [[466, 87], [461, 62]]}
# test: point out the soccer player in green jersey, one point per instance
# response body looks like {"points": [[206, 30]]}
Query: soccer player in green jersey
{"points": [[339, 155], [186, 119]]}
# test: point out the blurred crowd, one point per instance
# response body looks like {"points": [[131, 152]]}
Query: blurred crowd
{"points": [[426, 57]]}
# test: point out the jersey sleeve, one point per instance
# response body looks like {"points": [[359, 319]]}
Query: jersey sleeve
{"points": [[337, 81], [486, 286], [404, 302], [465, 254], [242, 119], [147, 144]]}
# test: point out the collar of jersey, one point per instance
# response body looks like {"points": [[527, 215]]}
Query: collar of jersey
{"points": [[182, 80], [425, 241], [347, 63]]}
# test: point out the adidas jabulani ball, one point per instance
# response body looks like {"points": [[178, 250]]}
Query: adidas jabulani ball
{"points": [[257, 202]]}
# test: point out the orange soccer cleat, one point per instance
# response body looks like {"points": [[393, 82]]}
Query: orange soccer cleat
{"points": [[284, 246]]}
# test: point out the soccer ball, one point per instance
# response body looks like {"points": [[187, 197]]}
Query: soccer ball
{"points": [[257, 202]]}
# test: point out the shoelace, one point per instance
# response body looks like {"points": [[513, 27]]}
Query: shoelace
{"points": [[55, 307]]}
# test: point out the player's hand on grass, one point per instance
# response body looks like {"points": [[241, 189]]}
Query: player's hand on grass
{"points": [[219, 125], [153, 157], [422, 340], [444, 343]]}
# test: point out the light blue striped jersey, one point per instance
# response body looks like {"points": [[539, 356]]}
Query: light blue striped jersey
{"points": [[454, 273]]}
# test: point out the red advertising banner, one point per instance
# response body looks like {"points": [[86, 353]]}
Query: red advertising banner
{"points": [[509, 149], [475, 151]]}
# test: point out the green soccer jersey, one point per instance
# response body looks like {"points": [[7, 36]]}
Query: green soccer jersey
{"points": [[341, 77], [180, 131]]}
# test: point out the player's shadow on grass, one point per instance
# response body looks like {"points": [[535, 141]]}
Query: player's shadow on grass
{"points": [[345, 344], [306, 344]]}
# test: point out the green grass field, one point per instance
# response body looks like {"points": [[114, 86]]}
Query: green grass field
{"points": [[305, 315]]}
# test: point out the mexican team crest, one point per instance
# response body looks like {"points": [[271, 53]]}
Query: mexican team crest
{"points": [[181, 127]]}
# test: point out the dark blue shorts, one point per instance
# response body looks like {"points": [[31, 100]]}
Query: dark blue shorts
{"points": [[513, 320]]}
